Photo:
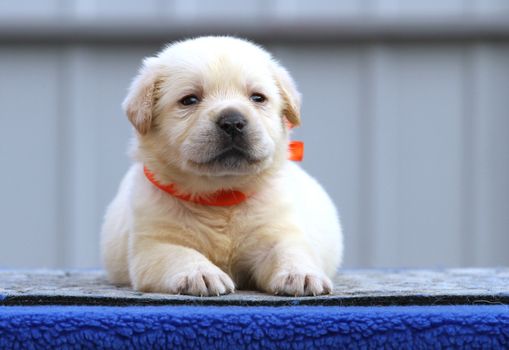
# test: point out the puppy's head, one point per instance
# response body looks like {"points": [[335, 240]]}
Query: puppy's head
{"points": [[212, 108]]}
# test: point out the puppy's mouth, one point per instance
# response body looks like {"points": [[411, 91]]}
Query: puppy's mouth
{"points": [[232, 160], [236, 156], [232, 157]]}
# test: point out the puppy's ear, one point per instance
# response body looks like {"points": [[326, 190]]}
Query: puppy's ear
{"points": [[139, 102], [290, 94]]}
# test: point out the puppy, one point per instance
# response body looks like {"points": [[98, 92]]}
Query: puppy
{"points": [[212, 202]]}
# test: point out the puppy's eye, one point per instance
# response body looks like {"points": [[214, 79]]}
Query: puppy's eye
{"points": [[258, 98], [189, 100]]}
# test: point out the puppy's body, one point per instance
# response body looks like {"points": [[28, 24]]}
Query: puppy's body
{"points": [[284, 238]]}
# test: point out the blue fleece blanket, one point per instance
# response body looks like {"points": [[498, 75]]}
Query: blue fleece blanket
{"points": [[297, 327]]}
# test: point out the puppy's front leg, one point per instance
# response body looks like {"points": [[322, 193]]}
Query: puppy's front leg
{"points": [[286, 265], [159, 266]]}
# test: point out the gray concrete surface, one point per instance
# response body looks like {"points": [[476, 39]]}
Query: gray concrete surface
{"points": [[352, 287]]}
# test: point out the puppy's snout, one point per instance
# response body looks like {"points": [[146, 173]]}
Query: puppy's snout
{"points": [[232, 122]]}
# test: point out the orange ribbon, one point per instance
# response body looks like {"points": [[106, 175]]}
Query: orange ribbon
{"points": [[222, 198], [296, 151]]}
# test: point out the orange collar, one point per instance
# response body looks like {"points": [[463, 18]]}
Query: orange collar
{"points": [[221, 198]]}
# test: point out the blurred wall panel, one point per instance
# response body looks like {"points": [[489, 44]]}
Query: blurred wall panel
{"points": [[322, 9], [30, 188], [225, 9], [417, 154], [488, 7], [118, 9], [491, 156], [418, 8], [30, 8]]}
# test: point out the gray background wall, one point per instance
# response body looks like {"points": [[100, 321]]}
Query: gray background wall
{"points": [[405, 118]]}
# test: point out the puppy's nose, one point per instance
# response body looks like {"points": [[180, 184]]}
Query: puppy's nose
{"points": [[232, 122]]}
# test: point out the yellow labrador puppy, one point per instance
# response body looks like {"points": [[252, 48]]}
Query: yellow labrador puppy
{"points": [[212, 202]]}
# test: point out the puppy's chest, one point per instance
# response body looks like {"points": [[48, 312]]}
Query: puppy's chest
{"points": [[219, 233]]}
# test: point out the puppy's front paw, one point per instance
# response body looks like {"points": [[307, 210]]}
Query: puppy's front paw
{"points": [[299, 283], [201, 280]]}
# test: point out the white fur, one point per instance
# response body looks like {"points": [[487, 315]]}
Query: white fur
{"points": [[284, 239]]}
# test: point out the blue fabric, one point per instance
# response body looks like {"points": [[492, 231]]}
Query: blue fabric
{"points": [[296, 327]]}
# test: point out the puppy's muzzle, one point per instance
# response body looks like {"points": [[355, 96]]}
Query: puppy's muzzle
{"points": [[232, 123]]}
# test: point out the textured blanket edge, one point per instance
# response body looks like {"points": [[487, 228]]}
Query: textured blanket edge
{"points": [[188, 327]]}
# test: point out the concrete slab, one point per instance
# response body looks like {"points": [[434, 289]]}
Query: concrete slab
{"points": [[352, 287]]}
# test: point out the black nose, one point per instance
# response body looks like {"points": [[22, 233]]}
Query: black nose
{"points": [[232, 122]]}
